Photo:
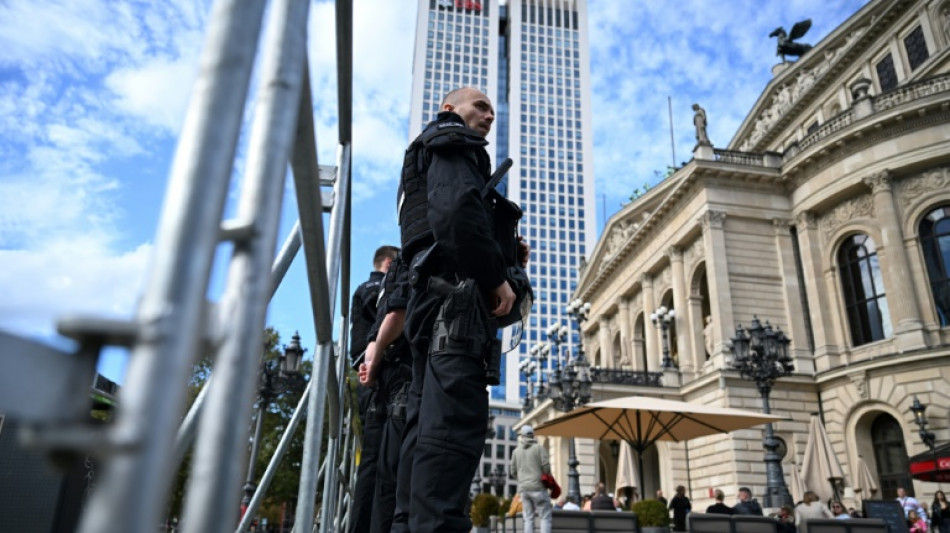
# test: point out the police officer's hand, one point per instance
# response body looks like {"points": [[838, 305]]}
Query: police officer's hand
{"points": [[524, 251], [367, 371], [502, 298]]}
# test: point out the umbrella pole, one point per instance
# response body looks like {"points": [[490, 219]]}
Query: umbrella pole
{"points": [[643, 489], [689, 481]]}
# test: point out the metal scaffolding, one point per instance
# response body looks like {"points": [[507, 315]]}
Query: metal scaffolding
{"points": [[174, 324]]}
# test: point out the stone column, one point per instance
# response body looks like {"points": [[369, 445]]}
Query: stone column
{"points": [[720, 292], [651, 338], [626, 340], [824, 312], [794, 310], [899, 288], [606, 347], [681, 316]]}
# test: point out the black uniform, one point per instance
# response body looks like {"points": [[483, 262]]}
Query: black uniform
{"points": [[362, 317], [392, 385], [444, 219]]}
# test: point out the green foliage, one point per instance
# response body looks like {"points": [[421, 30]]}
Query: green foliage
{"points": [[483, 507], [283, 488], [651, 513], [504, 507]]}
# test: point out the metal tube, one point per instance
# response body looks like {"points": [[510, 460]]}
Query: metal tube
{"points": [[214, 484], [186, 432], [344, 69], [133, 491], [249, 485], [271, 469], [307, 489]]}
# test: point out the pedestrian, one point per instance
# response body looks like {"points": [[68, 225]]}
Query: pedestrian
{"points": [[660, 498], [461, 255], [387, 368], [719, 507], [809, 508], [681, 507], [940, 513], [915, 524], [372, 415], [908, 502], [601, 501], [747, 504], [528, 462]]}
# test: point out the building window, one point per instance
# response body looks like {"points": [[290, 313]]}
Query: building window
{"points": [[863, 287], [935, 242], [891, 456], [886, 74], [916, 47]]}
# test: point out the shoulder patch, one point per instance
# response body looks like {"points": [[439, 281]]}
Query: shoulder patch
{"points": [[450, 125]]}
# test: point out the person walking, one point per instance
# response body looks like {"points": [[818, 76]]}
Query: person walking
{"points": [[528, 462], [719, 507], [681, 507]]}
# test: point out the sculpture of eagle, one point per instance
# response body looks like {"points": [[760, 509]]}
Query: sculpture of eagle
{"points": [[786, 45]]}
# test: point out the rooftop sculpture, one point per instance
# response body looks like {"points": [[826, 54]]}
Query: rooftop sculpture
{"points": [[786, 45]]}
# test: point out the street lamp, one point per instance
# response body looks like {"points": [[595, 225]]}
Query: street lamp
{"points": [[761, 355], [927, 437], [662, 318], [276, 378], [571, 388], [497, 479], [528, 367]]}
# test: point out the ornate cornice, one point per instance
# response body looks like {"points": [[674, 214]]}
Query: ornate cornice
{"points": [[713, 219], [675, 254], [781, 226], [909, 189], [807, 220]]}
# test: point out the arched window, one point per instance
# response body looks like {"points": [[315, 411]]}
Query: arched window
{"points": [[891, 456], [935, 241], [863, 286]]}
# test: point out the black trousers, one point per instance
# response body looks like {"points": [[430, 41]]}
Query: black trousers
{"points": [[384, 498], [446, 422], [373, 420]]}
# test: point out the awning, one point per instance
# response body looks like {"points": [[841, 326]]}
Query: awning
{"points": [[922, 465]]}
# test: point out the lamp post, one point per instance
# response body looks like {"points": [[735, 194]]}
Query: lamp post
{"points": [[276, 378], [928, 438], [662, 318], [528, 368], [571, 388], [761, 355], [497, 479]]}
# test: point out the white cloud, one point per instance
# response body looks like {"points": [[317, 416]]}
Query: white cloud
{"points": [[157, 91]]}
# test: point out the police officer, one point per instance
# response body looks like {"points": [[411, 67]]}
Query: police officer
{"points": [[387, 367], [458, 285], [362, 317]]}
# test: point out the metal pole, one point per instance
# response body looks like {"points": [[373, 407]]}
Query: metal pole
{"points": [[214, 485], [134, 487], [776, 492], [249, 485], [573, 476]]}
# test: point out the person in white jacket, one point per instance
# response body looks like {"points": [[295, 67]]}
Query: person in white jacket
{"points": [[528, 462]]}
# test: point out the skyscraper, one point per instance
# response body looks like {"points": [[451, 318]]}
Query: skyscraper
{"points": [[531, 57]]}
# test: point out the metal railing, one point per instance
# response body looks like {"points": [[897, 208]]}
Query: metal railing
{"points": [[143, 445], [616, 376]]}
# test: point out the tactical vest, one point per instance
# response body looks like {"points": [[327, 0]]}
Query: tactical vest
{"points": [[413, 194]]}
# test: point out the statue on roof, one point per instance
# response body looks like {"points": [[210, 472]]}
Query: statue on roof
{"points": [[786, 41]]}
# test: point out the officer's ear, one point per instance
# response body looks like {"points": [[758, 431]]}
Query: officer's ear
{"points": [[448, 107]]}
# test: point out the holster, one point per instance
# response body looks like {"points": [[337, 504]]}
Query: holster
{"points": [[398, 400], [464, 326]]}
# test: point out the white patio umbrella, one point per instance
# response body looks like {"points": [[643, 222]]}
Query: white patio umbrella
{"points": [[820, 467], [626, 468], [797, 488], [864, 485], [643, 420]]}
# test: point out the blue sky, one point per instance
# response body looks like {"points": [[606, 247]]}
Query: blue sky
{"points": [[93, 93]]}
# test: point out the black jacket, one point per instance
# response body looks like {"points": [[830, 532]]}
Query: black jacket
{"points": [[750, 507], [460, 221], [363, 314]]}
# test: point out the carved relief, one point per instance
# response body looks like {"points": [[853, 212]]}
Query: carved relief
{"points": [[620, 234], [793, 90], [694, 254], [908, 190], [713, 219], [781, 226], [860, 207], [807, 220], [675, 253], [860, 382], [879, 181]]}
